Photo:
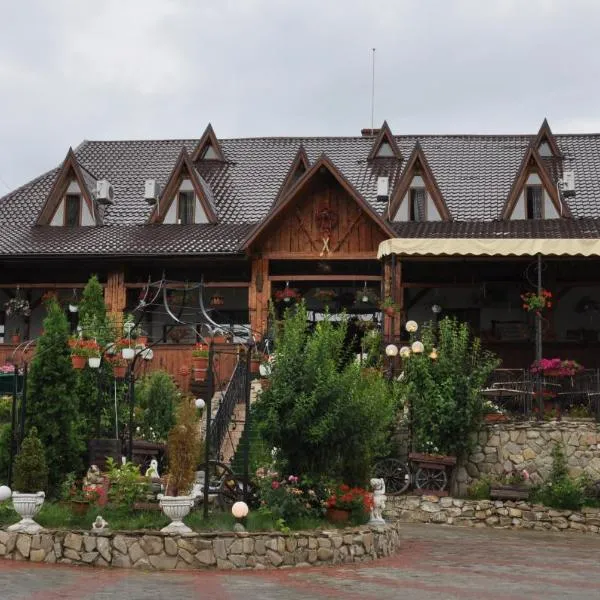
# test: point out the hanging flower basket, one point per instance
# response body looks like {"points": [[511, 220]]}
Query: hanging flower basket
{"points": [[287, 295], [119, 371], [217, 300], [556, 367], [536, 303], [78, 361], [17, 306], [15, 339]]}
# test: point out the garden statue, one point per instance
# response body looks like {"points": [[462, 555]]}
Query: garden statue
{"points": [[379, 498], [99, 525], [93, 477], [152, 470]]}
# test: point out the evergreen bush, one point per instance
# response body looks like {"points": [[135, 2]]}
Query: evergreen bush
{"points": [[31, 470], [157, 396]]}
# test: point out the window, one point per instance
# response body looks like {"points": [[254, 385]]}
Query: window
{"points": [[72, 210], [385, 151], [209, 153], [185, 208], [534, 196], [416, 209]]}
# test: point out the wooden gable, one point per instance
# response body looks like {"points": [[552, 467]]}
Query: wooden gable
{"points": [[385, 145], [321, 216], [208, 148]]}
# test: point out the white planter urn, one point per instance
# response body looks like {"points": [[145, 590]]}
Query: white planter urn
{"points": [[176, 508], [27, 505]]}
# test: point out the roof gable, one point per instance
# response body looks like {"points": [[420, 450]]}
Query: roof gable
{"points": [[300, 165], [208, 148], [533, 163], [70, 170], [545, 136], [322, 163], [184, 169], [385, 145], [418, 165]]}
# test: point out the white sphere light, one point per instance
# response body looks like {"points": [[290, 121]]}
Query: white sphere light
{"points": [[200, 404], [239, 510], [411, 326], [5, 493], [417, 347], [391, 350], [436, 309], [404, 351]]}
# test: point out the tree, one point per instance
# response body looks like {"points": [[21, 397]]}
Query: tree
{"points": [[157, 395], [327, 416], [93, 318], [52, 405], [31, 470]]}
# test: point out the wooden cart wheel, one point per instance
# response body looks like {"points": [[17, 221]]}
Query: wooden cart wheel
{"points": [[431, 479], [395, 473]]}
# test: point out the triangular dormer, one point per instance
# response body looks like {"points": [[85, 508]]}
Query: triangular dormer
{"points": [[533, 194], [208, 147], [298, 168], [545, 142], [71, 201], [417, 196], [385, 145], [186, 198]]}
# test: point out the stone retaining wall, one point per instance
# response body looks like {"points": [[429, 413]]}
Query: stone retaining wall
{"points": [[528, 445], [489, 513], [154, 550]]}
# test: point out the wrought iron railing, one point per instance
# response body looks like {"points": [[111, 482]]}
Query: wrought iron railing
{"points": [[234, 394]]}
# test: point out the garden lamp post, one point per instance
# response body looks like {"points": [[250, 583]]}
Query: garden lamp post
{"points": [[391, 351]]}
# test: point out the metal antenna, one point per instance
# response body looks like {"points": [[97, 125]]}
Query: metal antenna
{"points": [[373, 93]]}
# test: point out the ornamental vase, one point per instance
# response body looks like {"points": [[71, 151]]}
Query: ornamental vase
{"points": [[176, 508], [27, 506]]}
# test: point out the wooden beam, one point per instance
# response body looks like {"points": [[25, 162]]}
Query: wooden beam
{"points": [[311, 256], [325, 277], [210, 284], [44, 286]]}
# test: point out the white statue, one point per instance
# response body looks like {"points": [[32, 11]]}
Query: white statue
{"points": [[152, 470], [379, 498], [99, 525], [93, 477]]}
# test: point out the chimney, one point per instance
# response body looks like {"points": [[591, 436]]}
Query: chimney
{"points": [[369, 132]]}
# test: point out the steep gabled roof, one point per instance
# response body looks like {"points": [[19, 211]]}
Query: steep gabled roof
{"points": [[69, 171], [417, 164], [208, 140], [532, 163], [385, 136], [292, 193], [300, 164], [545, 135], [184, 169]]}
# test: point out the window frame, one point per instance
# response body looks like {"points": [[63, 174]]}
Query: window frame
{"points": [[412, 191], [72, 197], [189, 194], [539, 187]]}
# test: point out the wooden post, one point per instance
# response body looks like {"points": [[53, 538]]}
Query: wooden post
{"points": [[392, 288], [259, 295], [115, 296]]}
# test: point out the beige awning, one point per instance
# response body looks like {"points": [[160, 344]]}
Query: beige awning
{"points": [[489, 247]]}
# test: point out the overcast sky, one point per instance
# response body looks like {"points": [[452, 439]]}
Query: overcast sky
{"points": [[126, 69]]}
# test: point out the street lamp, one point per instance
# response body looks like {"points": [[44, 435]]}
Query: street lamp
{"points": [[240, 511]]}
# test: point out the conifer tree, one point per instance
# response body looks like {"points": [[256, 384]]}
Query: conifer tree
{"points": [[51, 402], [31, 470]]}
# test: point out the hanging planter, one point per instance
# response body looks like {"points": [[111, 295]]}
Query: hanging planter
{"points": [[217, 300], [120, 371], [78, 361], [94, 362], [128, 353], [17, 306], [15, 338], [287, 294], [200, 357]]}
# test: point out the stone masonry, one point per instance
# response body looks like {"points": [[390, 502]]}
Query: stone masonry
{"points": [[490, 513], [157, 551]]}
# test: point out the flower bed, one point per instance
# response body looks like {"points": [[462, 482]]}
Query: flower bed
{"points": [[220, 550]]}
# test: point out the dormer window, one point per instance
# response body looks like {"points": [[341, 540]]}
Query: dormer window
{"points": [[72, 210], [534, 202], [417, 203], [385, 151], [185, 207]]}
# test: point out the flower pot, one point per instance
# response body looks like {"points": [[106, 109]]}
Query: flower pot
{"points": [[77, 361], [79, 507], [337, 515], [199, 374], [128, 353], [94, 362], [142, 340], [15, 339], [390, 311], [200, 362], [27, 506], [255, 366], [176, 508], [495, 418], [120, 371]]}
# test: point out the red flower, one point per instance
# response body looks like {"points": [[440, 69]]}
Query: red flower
{"points": [[275, 485]]}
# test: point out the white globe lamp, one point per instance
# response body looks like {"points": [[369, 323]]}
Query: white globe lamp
{"points": [[391, 350], [200, 404], [5, 493], [240, 511]]}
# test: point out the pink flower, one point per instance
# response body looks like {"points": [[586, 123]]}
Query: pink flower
{"points": [[293, 479], [275, 485]]}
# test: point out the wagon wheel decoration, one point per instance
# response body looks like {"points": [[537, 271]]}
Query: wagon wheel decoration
{"points": [[395, 473], [428, 478]]}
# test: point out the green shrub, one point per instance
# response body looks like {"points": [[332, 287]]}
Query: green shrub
{"points": [[31, 471], [127, 485], [5, 430], [157, 396], [480, 489]]}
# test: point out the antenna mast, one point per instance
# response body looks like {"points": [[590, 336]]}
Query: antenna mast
{"points": [[373, 92]]}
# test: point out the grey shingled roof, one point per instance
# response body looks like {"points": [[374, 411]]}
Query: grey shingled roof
{"points": [[474, 174]]}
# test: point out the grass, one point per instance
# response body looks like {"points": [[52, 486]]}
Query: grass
{"points": [[59, 516]]}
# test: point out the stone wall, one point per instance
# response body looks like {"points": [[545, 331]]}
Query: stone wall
{"points": [[528, 445], [489, 513], [154, 550]]}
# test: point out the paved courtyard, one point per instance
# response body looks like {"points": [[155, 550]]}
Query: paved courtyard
{"points": [[435, 562]]}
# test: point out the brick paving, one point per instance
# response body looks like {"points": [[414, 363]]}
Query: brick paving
{"points": [[434, 563]]}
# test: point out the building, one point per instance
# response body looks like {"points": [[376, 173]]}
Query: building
{"points": [[256, 218]]}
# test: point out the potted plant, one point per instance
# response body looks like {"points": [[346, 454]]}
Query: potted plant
{"points": [[287, 295], [536, 303], [119, 367], [17, 306], [30, 479], [555, 367], [81, 497], [326, 296], [141, 336], [389, 307], [200, 356], [15, 338], [513, 485], [256, 358], [366, 296], [94, 354], [216, 300], [183, 450], [345, 502], [80, 350]]}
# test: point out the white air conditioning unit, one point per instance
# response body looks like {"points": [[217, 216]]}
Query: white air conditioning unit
{"points": [[151, 191], [383, 188], [568, 183], [104, 192]]}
